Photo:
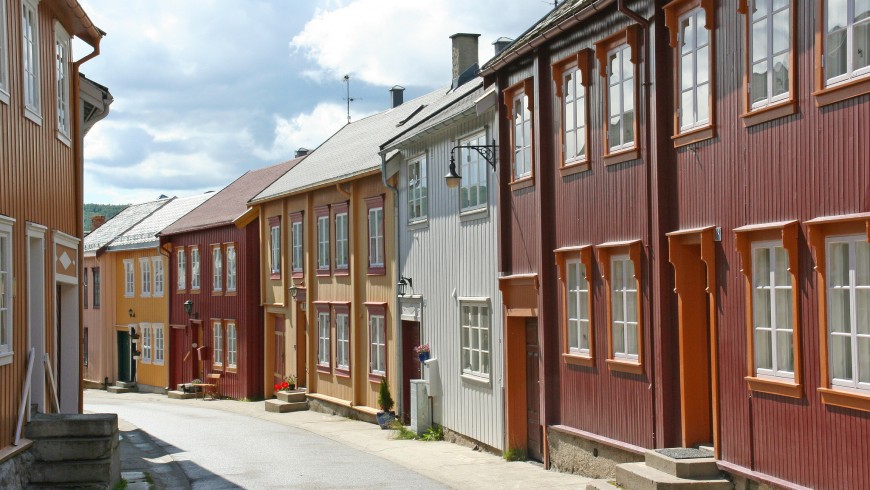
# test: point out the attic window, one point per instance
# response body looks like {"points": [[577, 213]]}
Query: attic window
{"points": [[411, 115]]}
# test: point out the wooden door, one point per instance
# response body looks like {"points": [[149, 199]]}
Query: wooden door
{"points": [[411, 365], [533, 391], [279, 369], [301, 350], [124, 358]]}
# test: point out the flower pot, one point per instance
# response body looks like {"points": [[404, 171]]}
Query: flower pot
{"points": [[424, 356], [385, 419]]}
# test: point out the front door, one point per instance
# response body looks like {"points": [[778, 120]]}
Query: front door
{"points": [[533, 391], [411, 365], [279, 369], [125, 364]]}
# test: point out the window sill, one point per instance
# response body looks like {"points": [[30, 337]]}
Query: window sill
{"points": [[622, 156], [4, 97], [522, 183], [324, 272], [217, 293], [218, 367], [194, 291], [418, 224], [775, 387], [845, 399], [180, 291], [274, 275], [471, 378], [377, 271], [624, 366], [64, 139], [578, 359], [232, 369], [694, 136], [324, 369], [297, 275], [342, 272], [842, 91], [6, 358], [473, 214], [574, 168], [231, 293], [33, 116], [769, 113], [375, 377], [342, 373]]}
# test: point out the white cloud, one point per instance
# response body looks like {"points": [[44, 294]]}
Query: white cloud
{"points": [[306, 130]]}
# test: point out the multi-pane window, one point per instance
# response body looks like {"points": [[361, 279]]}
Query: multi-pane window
{"points": [[376, 237], [62, 59], [4, 56], [182, 270], [145, 274], [770, 46], [158, 276], [145, 337], [773, 334], [521, 136], [217, 269], [377, 345], [573, 116], [620, 81], [129, 279], [5, 289], [341, 242], [96, 287], [323, 338], [323, 242], [577, 296], [418, 190], [475, 332], [275, 247], [472, 193], [157, 329], [30, 54], [231, 267], [624, 308], [847, 40], [848, 284], [194, 268], [342, 341], [232, 345], [296, 229], [694, 70], [218, 343]]}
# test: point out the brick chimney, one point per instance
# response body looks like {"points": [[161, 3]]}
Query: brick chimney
{"points": [[464, 55], [97, 221]]}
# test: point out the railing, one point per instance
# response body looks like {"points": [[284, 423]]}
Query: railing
{"points": [[25, 394], [51, 380]]}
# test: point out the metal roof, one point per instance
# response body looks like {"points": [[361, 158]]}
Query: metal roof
{"points": [[143, 235], [123, 221]]}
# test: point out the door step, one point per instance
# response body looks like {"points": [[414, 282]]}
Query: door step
{"points": [[288, 401], [665, 469], [179, 395], [122, 387]]}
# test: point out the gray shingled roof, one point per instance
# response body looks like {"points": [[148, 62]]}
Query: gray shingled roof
{"points": [[353, 150], [123, 221], [143, 235]]}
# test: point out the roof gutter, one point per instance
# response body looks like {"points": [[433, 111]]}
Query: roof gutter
{"points": [[533, 43]]}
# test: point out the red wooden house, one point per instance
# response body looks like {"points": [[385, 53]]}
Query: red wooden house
{"points": [[214, 306]]}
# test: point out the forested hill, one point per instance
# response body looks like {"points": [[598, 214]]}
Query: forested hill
{"points": [[107, 210]]}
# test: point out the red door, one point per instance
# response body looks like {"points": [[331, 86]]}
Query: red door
{"points": [[411, 366], [279, 370], [177, 349], [533, 391]]}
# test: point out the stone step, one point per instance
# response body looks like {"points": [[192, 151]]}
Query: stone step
{"points": [[70, 472], [278, 406], [73, 449], [291, 396], [639, 476], [179, 395], [685, 466], [117, 389], [46, 426], [601, 485], [130, 385]]}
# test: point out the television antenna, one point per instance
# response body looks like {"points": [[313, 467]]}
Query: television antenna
{"points": [[346, 80]]}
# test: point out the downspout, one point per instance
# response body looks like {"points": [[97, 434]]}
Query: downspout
{"points": [[397, 318], [644, 24]]}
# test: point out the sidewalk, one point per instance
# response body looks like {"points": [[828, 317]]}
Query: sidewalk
{"points": [[454, 465], [141, 455]]}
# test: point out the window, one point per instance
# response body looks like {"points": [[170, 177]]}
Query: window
{"points": [[6, 328], [375, 207], [341, 239], [474, 325], [418, 190], [62, 60], [231, 267], [4, 56], [847, 40], [848, 291], [194, 269], [770, 53], [342, 339], [521, 135], [275, 247], [145, 275], [618, 57], [218, 343], [157, 329], [575, 265], [217, 269], [473, 185], [96, 287], [182, 269], [147, 346], [624, 308], [323, 340], [378, 345], [296, 230], [232, 345], [572, 77], [85, 288], [158, 276], [30, 46], [129, 278], [322, 240]]}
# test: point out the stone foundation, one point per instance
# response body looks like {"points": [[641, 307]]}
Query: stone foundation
{"points": [[580, 456], [463, 440], [323, 406], [15, 468]]}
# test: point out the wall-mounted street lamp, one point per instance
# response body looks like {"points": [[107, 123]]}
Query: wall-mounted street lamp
{"points": [[403, 283], [294, 290], [131, 313], [188, 307], [486, 151]]}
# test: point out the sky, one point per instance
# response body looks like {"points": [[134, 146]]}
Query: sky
{"points": [[207, 89]]}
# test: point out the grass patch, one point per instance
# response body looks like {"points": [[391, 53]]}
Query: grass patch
{"points": [[402, 432], [514, 454], [434, 433], [121, 485]]}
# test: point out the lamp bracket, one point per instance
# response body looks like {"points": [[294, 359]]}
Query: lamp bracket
{"points": [[488, 152]]}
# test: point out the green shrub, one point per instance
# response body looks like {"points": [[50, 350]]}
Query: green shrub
{"points": [[514, 454], [385, 399], [434, 433]]}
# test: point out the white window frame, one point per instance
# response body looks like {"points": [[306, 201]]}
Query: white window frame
{"points": [[182, 269], [217, 338], [63, 55], [296, 229], [617, 85], [521, 127], [573, 104], [159, 277], [129, 278], [376, 237], [623, 293], [217, 269], [195, 276], [378, 344], [232, 345], [851, 73], [147, 345], [851, 287], [342, 341], [772, 290], [578, 301], [418, 190], [159, 339], [323, 338], [4, 56], [475, 177], [30, 60], [698, 16], [475, 339], [323, 243], [275, 248], [766, 22], [145, 277], [7, 329], [231, 267]]}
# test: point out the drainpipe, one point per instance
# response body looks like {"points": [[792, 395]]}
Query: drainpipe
{"points": [[397, 318], [644, 24]]}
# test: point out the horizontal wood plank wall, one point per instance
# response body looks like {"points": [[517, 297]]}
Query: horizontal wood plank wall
{"points": [[799, 167], [37, 178]]}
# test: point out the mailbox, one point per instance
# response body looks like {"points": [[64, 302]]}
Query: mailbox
{"points": [[202, 353]]}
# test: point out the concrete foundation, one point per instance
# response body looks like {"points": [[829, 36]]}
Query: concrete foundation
{"points": [[462, 440], [580, 456], [323, 406], [15, 467]]}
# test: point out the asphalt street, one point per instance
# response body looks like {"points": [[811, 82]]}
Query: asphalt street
{"points": [[220, 449]]}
